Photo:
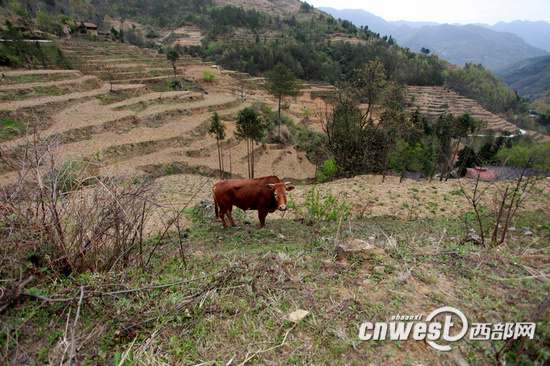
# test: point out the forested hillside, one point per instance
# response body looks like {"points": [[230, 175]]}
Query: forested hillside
{"points": [[476, 82], [531, 78], [246, 39]]}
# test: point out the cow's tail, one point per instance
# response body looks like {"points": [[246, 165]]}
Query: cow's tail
{"points": [[215, 202]]}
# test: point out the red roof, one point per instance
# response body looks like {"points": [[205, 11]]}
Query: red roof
{"points": [[482, 173]]}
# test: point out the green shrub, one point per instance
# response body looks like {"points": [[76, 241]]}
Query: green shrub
{"points": [[327, 170], [208, 76], [9, 127], [319, 207], [526, 155]]}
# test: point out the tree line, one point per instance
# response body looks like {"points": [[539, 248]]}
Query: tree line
{"points": [[368, 131]]}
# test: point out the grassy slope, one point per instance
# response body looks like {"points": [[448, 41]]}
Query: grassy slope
{"points": [[260, 276], [240, 313]]}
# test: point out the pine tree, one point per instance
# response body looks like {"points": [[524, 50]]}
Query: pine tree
{"points": [[173, 56]]}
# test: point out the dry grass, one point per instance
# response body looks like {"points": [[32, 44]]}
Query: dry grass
{"points": [[213, 296]]}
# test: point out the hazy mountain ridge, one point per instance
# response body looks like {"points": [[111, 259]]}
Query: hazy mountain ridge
{"points": [[530, 78], [534, 33], [458, 44]]}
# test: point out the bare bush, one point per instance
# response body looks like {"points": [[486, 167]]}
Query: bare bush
{"points": [[508, 199], [62, 216]]}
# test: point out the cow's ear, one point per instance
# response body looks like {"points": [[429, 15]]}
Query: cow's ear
{"points": [[289, 188], [271, 186]]}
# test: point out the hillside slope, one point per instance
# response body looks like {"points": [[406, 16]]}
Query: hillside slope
{"points": [[139, 126], [530, 78], [434, 101]]}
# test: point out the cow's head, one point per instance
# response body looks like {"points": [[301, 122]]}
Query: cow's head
{"points": [[279, 193]]}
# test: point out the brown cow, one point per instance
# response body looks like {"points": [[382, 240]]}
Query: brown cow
{"points": [[265, 194]]}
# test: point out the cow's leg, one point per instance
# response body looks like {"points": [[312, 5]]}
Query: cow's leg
{"points": [[221, 215], [262, 213], [230, 217]]}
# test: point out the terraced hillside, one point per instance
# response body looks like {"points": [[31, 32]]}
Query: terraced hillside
{"points": [[436, 100], [120, 107]]}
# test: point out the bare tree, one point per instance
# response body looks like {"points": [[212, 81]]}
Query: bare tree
{"points": [[107, 72], [243, 86], [73, 218], [509, 199]]}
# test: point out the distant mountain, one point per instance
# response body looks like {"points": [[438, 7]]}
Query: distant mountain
{"points": [[530, 78], [455, 43], [469, 43], [534, 33], [362, 18]]}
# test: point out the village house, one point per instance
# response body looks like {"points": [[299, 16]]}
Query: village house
{"points": [[90, 27]]}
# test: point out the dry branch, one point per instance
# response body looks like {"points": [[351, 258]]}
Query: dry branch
{"points": [[91, 294]]}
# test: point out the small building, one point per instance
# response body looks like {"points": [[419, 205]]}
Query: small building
{"points": [[90, 27], [106, 34]]}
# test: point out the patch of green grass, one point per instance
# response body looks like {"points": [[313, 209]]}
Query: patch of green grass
{"points": [[10, 128], [42, 91], [34, 78], [110, 45]]}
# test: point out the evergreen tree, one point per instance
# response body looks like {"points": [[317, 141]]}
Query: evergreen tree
{"points": [[172, 55], [444, 130], [251, 129], [465, 124]]}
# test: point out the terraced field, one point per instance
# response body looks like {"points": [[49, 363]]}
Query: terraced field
{"points": [[120, 108], [436, 100]]}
